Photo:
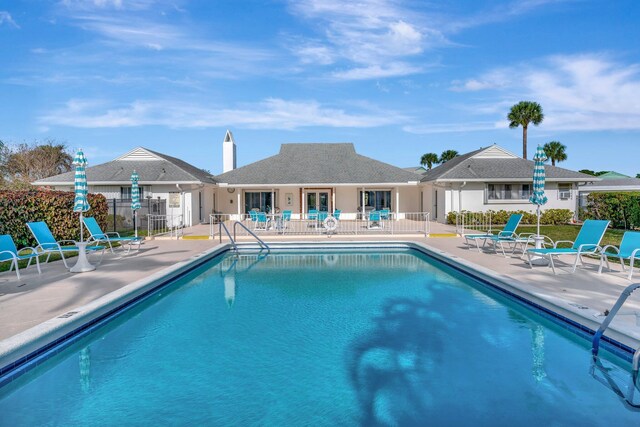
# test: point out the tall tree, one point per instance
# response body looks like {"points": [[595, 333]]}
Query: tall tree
{"points": [[429, 160], [26, 163], [556, 151], [448, 155], [523, 113]]}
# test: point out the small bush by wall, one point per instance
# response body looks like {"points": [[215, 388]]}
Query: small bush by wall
{"points": [[548, 216], [53, 207], [621, 208]]}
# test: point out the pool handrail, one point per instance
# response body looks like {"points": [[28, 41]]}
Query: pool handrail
{"points": [[262, 244]]}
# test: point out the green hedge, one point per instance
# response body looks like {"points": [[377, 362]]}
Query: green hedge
{"points": [[548, 216], [622, 209], [53, 207]]}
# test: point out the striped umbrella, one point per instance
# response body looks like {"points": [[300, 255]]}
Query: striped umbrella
{"points": [[538, 198], [80, 203], [135, 199]]}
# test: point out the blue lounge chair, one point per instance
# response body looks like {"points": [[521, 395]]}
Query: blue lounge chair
{"points": [[111, 237], [587, 243], [508, 234], [373, 220], [9, 252], [336, 214], [629, 250], [385, 213], [47, 244]]}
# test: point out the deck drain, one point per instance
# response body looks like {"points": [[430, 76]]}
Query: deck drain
{"points": [[67, 315], [579, 306], [24, 284]]}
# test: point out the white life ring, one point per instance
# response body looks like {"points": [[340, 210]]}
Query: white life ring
{"points": [[330, 223]]}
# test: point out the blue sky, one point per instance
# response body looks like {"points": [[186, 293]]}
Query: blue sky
{"points": [[397, 78]]}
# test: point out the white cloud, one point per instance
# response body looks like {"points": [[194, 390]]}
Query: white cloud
{"points": [[367, 36], [577, 92], [377, 71], [5, 18], [271, 113]]}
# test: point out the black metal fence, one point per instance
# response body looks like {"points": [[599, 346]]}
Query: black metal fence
{"points": [[120, 216]]}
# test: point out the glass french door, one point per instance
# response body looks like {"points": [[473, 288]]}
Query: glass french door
{"points": [[318, 200]]}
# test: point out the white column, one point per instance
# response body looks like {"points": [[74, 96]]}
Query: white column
{"points": [[303, 203], [363, 211], [273, 200], [239, 202], [397, 203], [333, 199]]}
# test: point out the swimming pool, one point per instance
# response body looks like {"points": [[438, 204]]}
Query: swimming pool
{"points": [[334, 338]]}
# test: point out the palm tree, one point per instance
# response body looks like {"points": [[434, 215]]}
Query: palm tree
{"points": [[448, 155], [555, 151], [523, 113], [429, 160]]}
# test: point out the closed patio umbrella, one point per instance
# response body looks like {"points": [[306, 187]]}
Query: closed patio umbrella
{"points": [[80, 203], [538, 198], [135, 199]]}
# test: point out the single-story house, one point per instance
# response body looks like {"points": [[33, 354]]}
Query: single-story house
{"points": [[318, 176], [492, 178], [326, 177], [609, 182], [183, 190]]}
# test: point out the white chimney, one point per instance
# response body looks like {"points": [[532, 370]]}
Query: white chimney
{"points": [[228, 153]]}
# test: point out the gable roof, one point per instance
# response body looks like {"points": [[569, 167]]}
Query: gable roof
{"points": [[319, 163], [152, 167], [496, 164], [420, 170], [622, 184]]}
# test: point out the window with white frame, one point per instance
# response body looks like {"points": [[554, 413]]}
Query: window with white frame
{"points": [[508, 192], [125, 193], [564, 191]]}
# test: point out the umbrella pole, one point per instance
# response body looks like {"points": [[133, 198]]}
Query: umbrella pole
{"points": [[81, 238], [135, 222], [538, 228]]}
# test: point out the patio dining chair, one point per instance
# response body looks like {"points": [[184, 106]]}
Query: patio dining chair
{"points": [[587, 243], [47, 244], [253, 215], [9, 252], [373, 220], [629, 250], [507, 234], [110, 237], [336, 214], [262, 221], [385, 214]]}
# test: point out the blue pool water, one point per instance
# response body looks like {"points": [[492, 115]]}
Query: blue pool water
{"points": [[320, 339]]}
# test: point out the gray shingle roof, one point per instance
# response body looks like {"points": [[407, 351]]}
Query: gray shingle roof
{"points": [[166, 169], [466, 167], [317, 164], [627, 183]]}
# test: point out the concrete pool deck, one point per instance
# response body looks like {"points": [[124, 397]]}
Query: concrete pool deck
{"points": [[37, 298]]}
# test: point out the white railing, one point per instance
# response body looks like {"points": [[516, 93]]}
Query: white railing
{"points": [[472, 222], [165, 225], [349, 224]]}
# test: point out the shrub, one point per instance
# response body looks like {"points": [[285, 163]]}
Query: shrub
{"points": [[621, 208], [53, 207], [547, 217]]}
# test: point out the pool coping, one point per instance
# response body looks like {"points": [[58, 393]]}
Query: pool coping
{"points": [[31, 347]]}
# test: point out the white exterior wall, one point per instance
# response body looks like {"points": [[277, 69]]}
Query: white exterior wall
{"points": [[189, 202], [472, 197], [346, 198]]}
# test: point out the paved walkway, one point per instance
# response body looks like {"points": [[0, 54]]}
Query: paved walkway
{"points": [[35, 298]]}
